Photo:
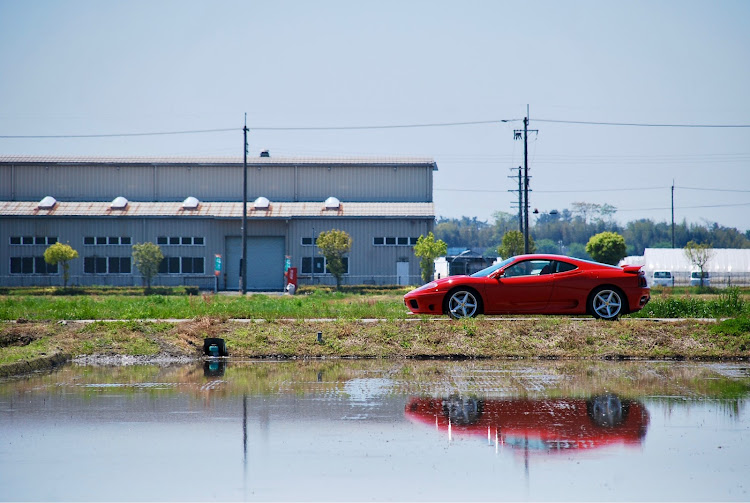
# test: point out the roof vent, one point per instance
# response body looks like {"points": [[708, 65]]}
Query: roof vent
{"points": [[119, 203], [265, 153], [262, 203], [190, 203], [332, 203], [47, 203]]}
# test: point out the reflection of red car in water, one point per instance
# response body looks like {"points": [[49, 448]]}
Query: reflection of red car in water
{"points": [[547, 424]]}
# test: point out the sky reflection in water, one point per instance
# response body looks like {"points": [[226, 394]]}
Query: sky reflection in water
{"points": [[372, 430]]}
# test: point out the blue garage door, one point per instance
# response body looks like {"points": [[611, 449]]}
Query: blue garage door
{"points": [[265, 263]]}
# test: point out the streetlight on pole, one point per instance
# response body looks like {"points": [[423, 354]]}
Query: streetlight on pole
{"points": [[450, 266], [243, 269], [517, 135]]}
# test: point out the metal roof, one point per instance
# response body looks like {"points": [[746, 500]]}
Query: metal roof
{"points": [[219, 210], [219, 161]]}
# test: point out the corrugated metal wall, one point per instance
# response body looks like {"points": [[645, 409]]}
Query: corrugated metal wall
{"points": [[92, 182], [368, 263], [6, 182]]}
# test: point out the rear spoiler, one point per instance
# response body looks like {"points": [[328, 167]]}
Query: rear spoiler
{"points": [[632, 269]]}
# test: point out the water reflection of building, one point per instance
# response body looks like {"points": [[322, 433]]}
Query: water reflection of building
{"points": [[544, 425]]}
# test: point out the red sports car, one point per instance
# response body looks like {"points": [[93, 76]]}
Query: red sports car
{"points": [[551, 424], [536, 284]]}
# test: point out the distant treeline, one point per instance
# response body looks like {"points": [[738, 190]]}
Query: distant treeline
{"points": [[568, 231]]}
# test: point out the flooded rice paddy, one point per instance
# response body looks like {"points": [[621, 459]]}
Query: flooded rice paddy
{"points": [[378, 430]]}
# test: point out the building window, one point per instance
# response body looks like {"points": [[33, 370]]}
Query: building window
{"points": [[32, 240], [106, 265], [31, 265], [180, 240], [313, 265], [320, 265], [182, 265], [307, 241], [106, 240], [95, 265], [119, 265], [394, 241]]}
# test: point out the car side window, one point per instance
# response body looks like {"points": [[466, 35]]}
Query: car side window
{"points": [[564, 267], [529, 268]]}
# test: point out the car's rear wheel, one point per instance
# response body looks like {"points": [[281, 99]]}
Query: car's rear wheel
{"points": [[607, 303], [463, 303]]}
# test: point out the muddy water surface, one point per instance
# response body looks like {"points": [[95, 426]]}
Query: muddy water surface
{"points": [[372, 430]]}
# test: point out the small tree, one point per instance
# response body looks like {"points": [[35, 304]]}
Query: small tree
{"points": [[513, 244], [147, 257], [699, 255], [607, 247], [333, 245], [427, 249], [60, 253]]}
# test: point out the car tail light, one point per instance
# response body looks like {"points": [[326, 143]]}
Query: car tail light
{"points": [[642, 280]]}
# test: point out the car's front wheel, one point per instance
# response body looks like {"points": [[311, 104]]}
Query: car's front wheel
{"points": [[607, 303], [463, 304]]}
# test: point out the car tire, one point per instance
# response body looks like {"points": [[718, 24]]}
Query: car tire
{"points": [[607, 303], [463, 411], [463, 303], [607, 411]]}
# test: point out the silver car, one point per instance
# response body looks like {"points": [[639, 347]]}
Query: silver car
{"points": [[695, 278], [662, 278]]}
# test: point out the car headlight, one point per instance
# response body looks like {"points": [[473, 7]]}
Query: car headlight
{"points": [[428, 286]]}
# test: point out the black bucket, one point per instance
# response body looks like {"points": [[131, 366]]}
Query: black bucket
{"points": [[214, 346]]}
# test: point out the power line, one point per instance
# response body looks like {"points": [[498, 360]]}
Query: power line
{"points": [[117, 135], [708, 189], [371, 127], [640, 124], [262, 128], [557, 191], [686, 207], [392, 126]]}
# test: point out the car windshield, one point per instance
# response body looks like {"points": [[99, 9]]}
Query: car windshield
{"points": [[489, 270]]}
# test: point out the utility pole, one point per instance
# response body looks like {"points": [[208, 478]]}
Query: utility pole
{"points": [[243, 270], [520, 199], [672, 213], [520, 202], [517, 134]]}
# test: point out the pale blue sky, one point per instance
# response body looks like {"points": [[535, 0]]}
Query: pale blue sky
{"points": [[91, 67]]}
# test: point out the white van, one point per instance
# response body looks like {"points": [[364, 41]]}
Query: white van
{"points": [[662, 278], [695, 278]]}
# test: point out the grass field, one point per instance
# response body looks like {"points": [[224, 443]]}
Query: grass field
{"points": [[351, 304], [35, 333]]}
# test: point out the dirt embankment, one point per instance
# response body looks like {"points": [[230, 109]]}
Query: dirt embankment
{"points": [[26, 347]]}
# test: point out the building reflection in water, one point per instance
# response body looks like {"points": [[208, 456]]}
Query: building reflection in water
{"points": [[541, 425]]}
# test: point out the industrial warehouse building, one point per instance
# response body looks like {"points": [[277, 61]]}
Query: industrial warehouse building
{"points": [[192, 208]]}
